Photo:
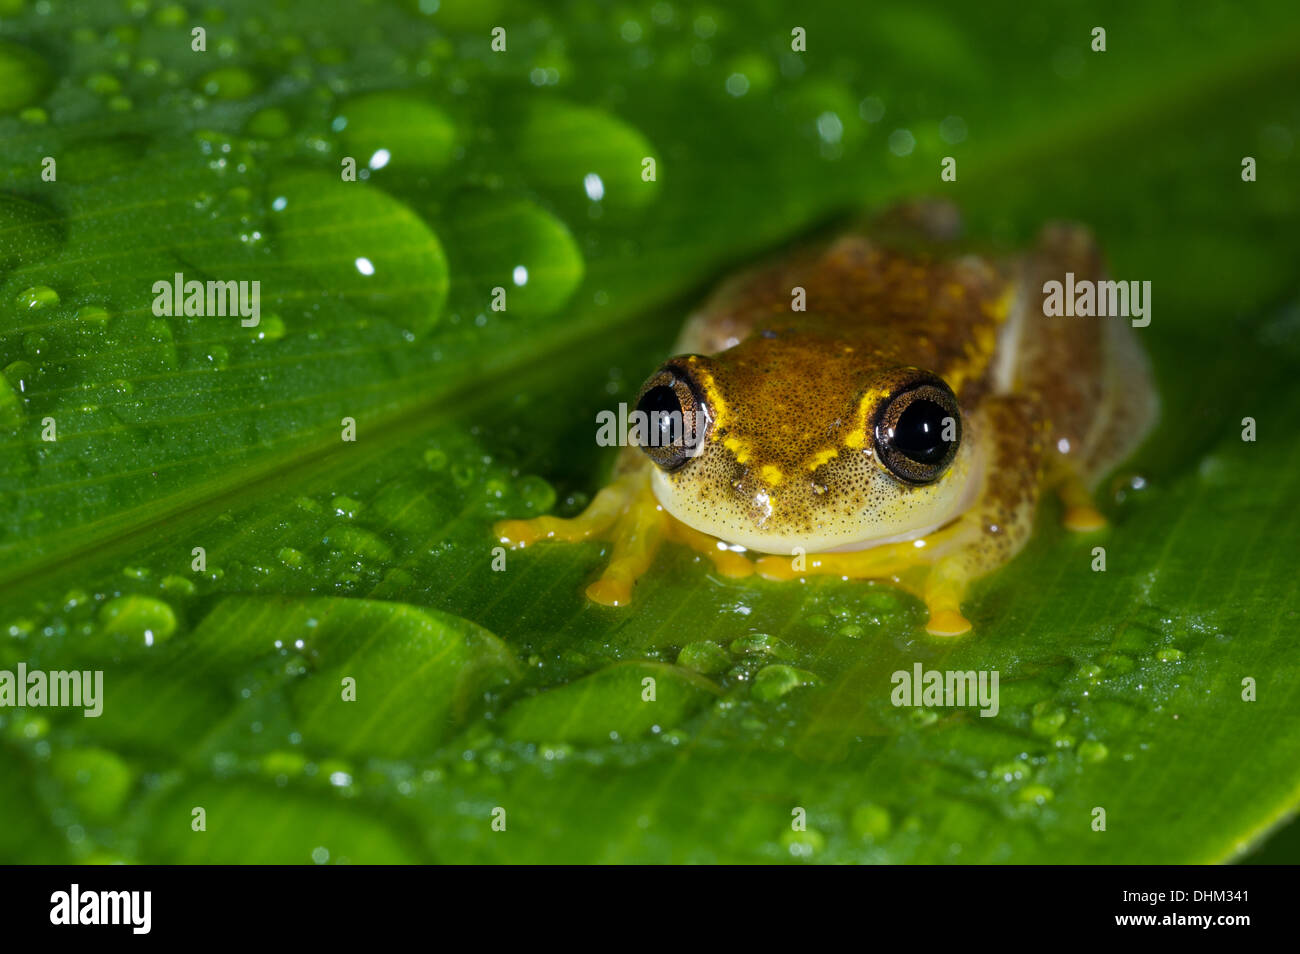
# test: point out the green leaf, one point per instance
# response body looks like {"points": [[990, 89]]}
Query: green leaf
{"points": [[201, 529]]}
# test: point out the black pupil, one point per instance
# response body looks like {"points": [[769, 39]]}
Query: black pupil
{"points": [[919, 432], [664, 411]]}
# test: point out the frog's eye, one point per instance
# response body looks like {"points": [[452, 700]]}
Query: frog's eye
{"points": [[918, 431], [670, 420]]}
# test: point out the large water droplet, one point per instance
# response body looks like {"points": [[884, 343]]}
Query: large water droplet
{"points": [[511, 243], [561, 145], [142, 620], [397, 132], [24, 77], [324, 225]]}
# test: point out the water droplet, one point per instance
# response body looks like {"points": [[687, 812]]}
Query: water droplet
{"points": [[1046, 719], [803, 844], [537, 495], [705, 657], [346, 507], [96, 781], [269, 328], [398, 132], [871, 821], [229, 82], [772, 682], [24, 77], [761, 644], [511, 242], [1036, 794], [435, 459], [37, 297], [142, 620], [271, 123], [93, 315], [561, 144], [1093, 751], [178, 585], [361, 543], [326, 226]]}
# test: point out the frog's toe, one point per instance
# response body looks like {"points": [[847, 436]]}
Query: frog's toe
{"points": [[947, 622], [1083, 518], [734, 566], [609, 591], [1080, 514], [776, 568], [727, 562], [518, 533]]}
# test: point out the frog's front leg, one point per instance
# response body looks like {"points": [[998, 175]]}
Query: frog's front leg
{"points": [[940, 566], [626, 513]]}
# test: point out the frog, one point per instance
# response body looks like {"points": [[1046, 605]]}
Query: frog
{"points": [[885, 404]]}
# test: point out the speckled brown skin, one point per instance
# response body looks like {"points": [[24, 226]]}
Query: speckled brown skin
{"points": [[789, 466]]}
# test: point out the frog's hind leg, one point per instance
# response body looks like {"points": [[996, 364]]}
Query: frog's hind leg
{"points": [[939, 567], [1105, 404], [1080, 513]]}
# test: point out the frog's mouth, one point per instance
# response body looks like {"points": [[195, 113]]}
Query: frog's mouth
{"points": [[970, 471], [974, 483]]}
